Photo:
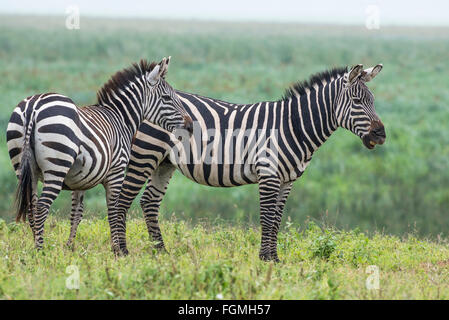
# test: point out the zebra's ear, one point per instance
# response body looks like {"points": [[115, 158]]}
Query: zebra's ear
{"points": [[164, 66], [154, 75], [370, 73], [354, 73]]}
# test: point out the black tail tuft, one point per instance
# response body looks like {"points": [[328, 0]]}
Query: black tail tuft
{"points": [[24, 191]]}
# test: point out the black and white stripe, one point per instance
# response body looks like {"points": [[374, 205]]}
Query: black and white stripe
{"points": [[52, 140], [272, 144]]}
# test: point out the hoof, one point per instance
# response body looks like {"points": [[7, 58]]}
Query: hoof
{"points": [[38, 245], [269, 257], [160, 247], [161, 250], [70, 245], [120, 252], [265, 257]]}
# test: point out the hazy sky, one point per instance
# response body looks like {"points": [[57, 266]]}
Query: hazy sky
{"points": [[392, 12]]}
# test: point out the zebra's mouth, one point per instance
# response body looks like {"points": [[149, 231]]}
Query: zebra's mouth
{"points": [[375, 136], [371, 145], [370, 140]]}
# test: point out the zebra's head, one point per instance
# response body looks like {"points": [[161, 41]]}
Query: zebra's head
{"points": [[356, 110], [164, 107]]}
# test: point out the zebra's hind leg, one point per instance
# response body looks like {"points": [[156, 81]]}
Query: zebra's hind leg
{"points": [[152, 198], [76, 214], [282, 198], [51, 188], [269, 186]]}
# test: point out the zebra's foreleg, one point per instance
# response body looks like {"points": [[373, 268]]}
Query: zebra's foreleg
{"points": [[112, 186], [128, 192], [152, 198], [115, 223], [269, 186], [135, 179], [76, 214], [280, 203]]}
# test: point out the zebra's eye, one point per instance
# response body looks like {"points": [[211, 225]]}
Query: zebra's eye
{"points": [[357, 100]]}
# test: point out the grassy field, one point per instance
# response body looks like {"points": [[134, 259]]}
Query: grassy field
{"points": [[210, 262]]}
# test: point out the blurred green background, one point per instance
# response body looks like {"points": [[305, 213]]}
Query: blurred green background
{"points": [[398, 187]]}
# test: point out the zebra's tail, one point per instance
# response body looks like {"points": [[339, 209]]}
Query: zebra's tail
{"points": [[24, 192]]}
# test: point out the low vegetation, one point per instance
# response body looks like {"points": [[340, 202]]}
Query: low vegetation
{"points": [[211, 260]]}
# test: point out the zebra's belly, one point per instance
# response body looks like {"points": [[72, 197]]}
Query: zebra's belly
{"points": [[219, 175], [87, 172], [232, 175]]}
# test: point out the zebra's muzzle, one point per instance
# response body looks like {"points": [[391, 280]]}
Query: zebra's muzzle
{"points": [[375, 136]]}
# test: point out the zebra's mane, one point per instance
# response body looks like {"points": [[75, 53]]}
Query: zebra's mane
{"points": [[122, 78], [301, 86]]}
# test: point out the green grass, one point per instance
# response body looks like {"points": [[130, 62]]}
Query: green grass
{"points": [[206, 260]]}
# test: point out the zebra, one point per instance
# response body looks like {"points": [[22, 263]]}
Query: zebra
{"points": [[306, 116], [52, 140]]}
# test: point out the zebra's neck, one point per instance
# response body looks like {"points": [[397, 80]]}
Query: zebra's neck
{"points": [[313, 115], [127, 104]]}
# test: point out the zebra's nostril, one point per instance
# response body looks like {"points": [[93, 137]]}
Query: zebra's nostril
{"points": [[380, 132]]}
